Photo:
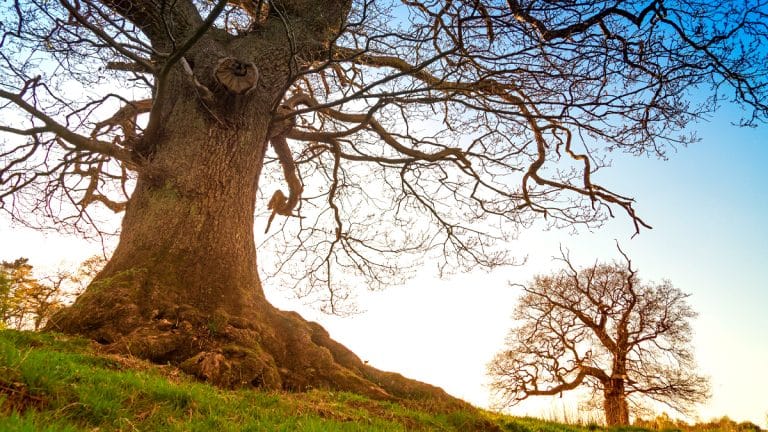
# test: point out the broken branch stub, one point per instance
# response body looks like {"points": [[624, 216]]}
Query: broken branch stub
{"points": [[236, 76]]}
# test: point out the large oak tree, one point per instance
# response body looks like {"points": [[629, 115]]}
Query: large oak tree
{"points": [[602, 329], [397, 129]]}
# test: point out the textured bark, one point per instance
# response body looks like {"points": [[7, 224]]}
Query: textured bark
{"points": [[615, 404], [182, 285]]}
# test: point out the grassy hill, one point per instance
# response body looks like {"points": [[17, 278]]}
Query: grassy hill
{"points": [[51, 382]]}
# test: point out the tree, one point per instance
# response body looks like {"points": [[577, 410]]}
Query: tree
{"points": [[401, 130], [60, 288], [603, 329], [83, 275], [39, 301], [25, 302], [5, 290], [17, 285]]}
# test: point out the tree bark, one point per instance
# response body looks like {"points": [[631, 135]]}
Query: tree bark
{"points": [[182, 285], [615, 404]]}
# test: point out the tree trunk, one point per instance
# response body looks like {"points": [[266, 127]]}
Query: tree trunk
{"points": [[182, 285], [615, 404]]}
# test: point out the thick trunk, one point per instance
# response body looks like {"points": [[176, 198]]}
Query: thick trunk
{"points": [[182, 285], [615, 404]]}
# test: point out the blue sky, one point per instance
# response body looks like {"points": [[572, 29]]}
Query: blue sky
{"points": [[707, 205]]}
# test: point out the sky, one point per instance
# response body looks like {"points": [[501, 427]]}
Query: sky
{"points": [[708, 205]]}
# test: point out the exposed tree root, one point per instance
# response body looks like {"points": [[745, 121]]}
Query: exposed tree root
{"points": [[260, 347]]}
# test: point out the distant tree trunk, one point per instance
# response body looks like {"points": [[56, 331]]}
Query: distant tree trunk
{"points": [[182, 285], [615, 404]]}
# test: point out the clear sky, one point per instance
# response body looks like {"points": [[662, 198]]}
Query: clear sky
{"points": [[708, 205]]}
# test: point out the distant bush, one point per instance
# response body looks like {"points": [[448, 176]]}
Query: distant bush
{"points": [[664, 423]]}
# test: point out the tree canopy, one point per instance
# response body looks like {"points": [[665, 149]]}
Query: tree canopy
{"points": [[602, 329], [416, 126]]}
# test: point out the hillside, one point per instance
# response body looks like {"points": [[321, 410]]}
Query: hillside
{"points": [[51, 382]]}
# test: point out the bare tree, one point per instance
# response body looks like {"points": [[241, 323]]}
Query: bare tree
{"points": [[44, 298], [397, 129], [79, 279], [603, 329]]}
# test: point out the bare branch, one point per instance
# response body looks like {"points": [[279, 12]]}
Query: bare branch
{"points": [[631, 339], [65, 133]]}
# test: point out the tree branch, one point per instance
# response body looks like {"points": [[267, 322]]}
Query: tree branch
{"points": [[78, 141]]}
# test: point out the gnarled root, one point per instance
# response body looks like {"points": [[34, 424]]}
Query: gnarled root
{"points": [[258, 346]]}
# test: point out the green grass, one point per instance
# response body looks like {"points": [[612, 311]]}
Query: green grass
{"points": [[50, 382]]}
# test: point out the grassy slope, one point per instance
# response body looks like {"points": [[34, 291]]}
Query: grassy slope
{"points": [[50, 382]]}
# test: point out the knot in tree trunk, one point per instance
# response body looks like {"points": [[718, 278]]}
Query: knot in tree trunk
{"points": [[236, 76]]}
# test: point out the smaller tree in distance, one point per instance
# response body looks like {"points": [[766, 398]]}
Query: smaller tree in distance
{"points": [[17, 287], [603, 329], [27, 302], [5, 290]]}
